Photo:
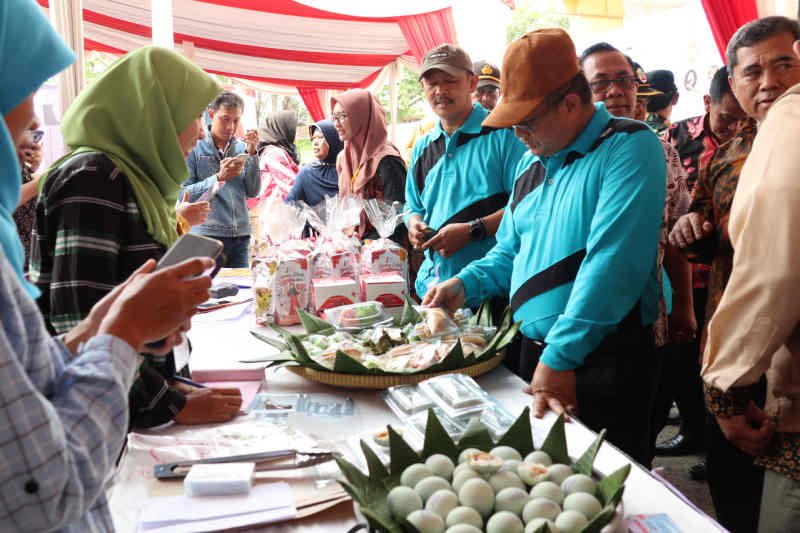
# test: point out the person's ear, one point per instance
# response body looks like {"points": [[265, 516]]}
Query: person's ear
{"points": [[707, 102], [675, 98], [796, 48], [473, 83]]}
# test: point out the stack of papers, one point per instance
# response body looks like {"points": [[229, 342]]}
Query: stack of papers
{"points": [[265, 504]]}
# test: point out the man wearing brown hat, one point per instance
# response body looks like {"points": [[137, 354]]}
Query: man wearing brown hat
{"points": [[576, 249], [460, 175], [488, 91]]}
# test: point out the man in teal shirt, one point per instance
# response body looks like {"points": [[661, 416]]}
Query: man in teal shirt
{"points": [[576, 249], [461, 173]]}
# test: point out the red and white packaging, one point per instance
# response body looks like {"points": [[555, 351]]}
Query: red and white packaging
{"points": [[388, 288], [382, 255], [281, 284], [334, 263], [327, 293]]}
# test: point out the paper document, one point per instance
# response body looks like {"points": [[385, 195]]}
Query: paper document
{"points": [[270, 502]]}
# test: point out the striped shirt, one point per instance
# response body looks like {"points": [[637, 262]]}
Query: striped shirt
{"points": [[63, 420], [89, 237]]}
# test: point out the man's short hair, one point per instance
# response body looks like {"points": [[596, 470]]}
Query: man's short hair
{"points": [[606, 47], [228, 99], [720, 85], [756, 31], [578, 85]]}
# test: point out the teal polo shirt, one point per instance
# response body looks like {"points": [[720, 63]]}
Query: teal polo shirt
{"points": [[576, 250], [458, 178]]}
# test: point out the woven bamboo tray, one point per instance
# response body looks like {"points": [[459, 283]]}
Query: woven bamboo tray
{"points": [[354, 381]]}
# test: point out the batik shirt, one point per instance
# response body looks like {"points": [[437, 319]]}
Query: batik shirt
{"points": [[695, 144], [712, 197]]}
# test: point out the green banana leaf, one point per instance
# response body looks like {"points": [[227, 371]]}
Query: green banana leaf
{"points": [[371, 490], [292, 349]]}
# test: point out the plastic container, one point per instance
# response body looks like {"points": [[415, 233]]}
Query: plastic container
{"points": [[356, 317], [405, 400], [456, 394]]}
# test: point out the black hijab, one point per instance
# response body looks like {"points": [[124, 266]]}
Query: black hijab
{"points": [[279, 129]]}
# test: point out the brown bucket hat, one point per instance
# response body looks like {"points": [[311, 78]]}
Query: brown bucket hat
{"points": [[533, 66]]}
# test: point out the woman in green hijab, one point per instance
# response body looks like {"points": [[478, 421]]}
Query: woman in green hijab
{"points": [[108, 206]]}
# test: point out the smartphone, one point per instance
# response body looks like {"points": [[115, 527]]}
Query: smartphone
{"points": [[189, 246], [242, 158]]}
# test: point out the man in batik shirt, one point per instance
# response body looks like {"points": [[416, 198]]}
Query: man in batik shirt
{"points": [[762, 66]]}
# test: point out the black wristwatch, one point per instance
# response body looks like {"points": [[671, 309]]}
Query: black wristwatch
{"points": [[477, 230]]}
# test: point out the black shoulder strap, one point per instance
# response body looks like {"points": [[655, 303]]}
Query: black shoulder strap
{"points": [[430, 155], [527, 182], [557, 274], [481, 208]]}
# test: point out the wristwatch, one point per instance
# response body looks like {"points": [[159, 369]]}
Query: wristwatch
{"points": [[477, 230]]}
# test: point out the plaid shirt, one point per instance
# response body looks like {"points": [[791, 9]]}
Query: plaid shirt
{"points": [[63, 420], [84, 245]]}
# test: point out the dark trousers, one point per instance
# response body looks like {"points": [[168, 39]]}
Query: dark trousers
{"points": [[734, 481], [235, 251], [615, 388], [680, 380]]}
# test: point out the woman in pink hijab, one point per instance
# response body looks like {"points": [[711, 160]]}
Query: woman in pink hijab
{"points": [[369, 166]]}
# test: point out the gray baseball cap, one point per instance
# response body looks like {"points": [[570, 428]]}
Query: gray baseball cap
{"points": [[447, 57]]}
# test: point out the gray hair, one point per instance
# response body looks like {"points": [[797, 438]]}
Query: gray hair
{"points": [[756, 31]]}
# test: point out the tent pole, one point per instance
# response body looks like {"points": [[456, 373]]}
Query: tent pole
{"points": [[67, 18], [161, 11], [393, 75]]}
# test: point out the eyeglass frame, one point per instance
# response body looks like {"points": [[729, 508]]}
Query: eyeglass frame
{"points": [[339, 117], [550, 102], [622, 83]]}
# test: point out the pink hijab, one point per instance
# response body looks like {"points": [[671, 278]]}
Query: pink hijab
{"points": [[369, 144]]}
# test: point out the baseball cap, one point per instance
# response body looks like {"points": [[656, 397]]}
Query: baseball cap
{"points": [[535, 65], [645, 89], [447, 57], [488, 74], [662, 80]]}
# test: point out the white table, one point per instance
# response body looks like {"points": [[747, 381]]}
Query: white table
{"points": [[217, 344]]}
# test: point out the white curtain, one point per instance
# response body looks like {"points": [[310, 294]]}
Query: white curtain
{"points": [[66, 16]]}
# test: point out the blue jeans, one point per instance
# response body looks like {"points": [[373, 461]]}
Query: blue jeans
{"points": [[235, 251]]}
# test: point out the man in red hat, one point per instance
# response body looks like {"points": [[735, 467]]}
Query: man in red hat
{"points": [[576, 248]]}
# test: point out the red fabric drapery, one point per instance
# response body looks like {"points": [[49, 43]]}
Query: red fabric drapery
{"points": [[312, 98], [725, 17], [425, 31]]}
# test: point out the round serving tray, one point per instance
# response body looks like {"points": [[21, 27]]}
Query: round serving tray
{"points": [[355, 381]]}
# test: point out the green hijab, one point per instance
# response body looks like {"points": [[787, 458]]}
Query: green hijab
{"points": [[133, 114]]}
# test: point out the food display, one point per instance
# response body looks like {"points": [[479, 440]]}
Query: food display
{"points": [[362, 339], [327, 293], [388, 288], [479, 484]]}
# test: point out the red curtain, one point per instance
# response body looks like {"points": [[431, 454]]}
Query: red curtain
{"points": [[725, 17], [423, 32], [313, 101]]}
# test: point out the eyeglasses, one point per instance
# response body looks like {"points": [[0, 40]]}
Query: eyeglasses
{"points": [[530, 123], [339, 117], [600, 86], [37, 136]]}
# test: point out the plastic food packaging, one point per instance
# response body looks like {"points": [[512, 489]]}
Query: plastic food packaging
{"points": [[358, 316], [281, 285], [387, 288], [384, 255], [456, 394], [454, 427], [274, 404], [327, 293], [437, 323], [406, 400], [496, 418]]}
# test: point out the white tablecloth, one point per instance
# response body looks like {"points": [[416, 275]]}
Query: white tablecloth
{"points": [[218, 344]]}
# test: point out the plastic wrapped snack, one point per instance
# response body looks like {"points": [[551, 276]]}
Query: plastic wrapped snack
{"points": [[384, 255], [455, 394], [358, 316], [406, 400], [437, 323], [281, 285]]}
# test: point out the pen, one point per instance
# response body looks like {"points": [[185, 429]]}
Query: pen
{"points": [[188, 381]]}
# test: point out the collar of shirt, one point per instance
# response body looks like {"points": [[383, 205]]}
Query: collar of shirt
{"points": [[471, 125], [583, 142], [210, 140]]}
